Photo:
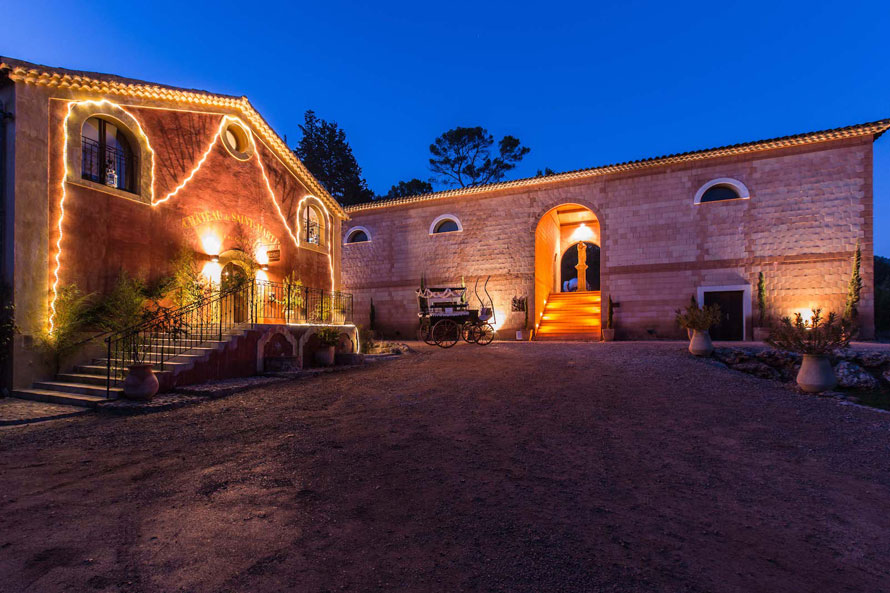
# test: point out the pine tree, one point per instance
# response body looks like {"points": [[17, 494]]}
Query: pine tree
{"points": [[851, 311], [328, 156]]}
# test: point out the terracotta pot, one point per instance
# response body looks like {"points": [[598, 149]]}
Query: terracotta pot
{"points": [[324, 356], [141, 383], [816, 374], [761, 334], [689, 333], [608, 334], [700, 344]]}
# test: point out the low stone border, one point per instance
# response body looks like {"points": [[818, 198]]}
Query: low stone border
{"points": [[855, 369]]}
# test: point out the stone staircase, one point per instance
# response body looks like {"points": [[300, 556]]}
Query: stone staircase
{"points": [[572, 316], [84, 385]]}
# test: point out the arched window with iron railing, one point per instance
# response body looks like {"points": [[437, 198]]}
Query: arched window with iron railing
{"points": [[108, 156], [313, 226]]}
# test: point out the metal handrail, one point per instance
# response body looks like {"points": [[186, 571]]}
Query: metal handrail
{"points": [[171, 334]]}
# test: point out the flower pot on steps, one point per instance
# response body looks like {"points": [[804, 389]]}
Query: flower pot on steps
{"points": [[141, 384], [816, 374], [700, 344]]}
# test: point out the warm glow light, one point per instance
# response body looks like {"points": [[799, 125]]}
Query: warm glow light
{"points": [[806, 312], [262, 276], [261, 254], [501, 317], [212, 271], [582, 233], [211, 243]]}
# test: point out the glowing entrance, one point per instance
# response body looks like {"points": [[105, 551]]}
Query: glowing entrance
{"points": [[568, 268], [567, 274]]}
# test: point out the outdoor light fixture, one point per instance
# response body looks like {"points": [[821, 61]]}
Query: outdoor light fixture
{"points": [[265, 268], [215, 259]]}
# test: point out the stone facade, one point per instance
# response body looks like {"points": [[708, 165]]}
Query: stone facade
{"points": [[192, 190], [810, 203]]}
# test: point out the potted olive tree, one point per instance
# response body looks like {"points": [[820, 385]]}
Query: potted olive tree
{"points": [[815, 338], [699, 321], [329, 338], [609, 330]]}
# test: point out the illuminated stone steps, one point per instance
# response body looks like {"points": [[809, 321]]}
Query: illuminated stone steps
{"points": [[85, 385], [572, 316]]}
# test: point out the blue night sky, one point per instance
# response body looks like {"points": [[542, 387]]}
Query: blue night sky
{"points": [[580, 83]]}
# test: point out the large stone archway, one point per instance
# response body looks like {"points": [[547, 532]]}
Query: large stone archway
{"points": [[559, 231]]}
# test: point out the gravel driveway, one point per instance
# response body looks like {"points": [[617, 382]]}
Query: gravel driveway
{"points": [[515, 467]]}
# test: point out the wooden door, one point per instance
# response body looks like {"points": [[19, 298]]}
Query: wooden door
{"points": [[732, 316]]}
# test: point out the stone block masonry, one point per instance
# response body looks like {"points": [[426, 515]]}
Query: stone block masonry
{"points": [[809, 205]]}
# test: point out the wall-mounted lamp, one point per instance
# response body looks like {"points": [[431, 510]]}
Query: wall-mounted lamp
{"points": [[215, 259], [264, 268]]}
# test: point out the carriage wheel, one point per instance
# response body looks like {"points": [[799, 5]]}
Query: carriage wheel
{"points": [[483, 334], [446, 333], [425, 332], [467, 332]]}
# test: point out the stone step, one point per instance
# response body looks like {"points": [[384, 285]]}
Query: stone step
{"points": [[566, 332], [74, 388], [182, 360], [185, 349], [93, 376], [569, 337], [64, 398], [582, 319]]}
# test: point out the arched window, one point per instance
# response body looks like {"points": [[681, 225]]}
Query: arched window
{"points": [[313, 225], [358, 234], [447, 223], [107, 155], [722, 189]]}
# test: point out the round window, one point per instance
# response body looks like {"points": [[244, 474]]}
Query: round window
{"points": [[236, 141]]}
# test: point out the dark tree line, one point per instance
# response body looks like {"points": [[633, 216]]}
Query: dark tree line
{"points": [[461, 157]]}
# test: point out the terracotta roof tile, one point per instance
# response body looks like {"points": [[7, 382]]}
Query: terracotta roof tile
{"points": [[873, 128], [109, 84]]}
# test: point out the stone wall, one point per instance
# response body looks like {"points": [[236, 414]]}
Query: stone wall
{"points": [[809, 206]]}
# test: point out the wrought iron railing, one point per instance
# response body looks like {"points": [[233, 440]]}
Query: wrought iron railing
{"points": [[107, 165], [172, 334]]}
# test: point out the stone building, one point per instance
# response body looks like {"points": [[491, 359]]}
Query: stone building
{"points": [[658, 231], [103, 174]]}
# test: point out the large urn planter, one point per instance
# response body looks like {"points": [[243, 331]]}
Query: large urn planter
{"points": [[700, 344], [608, 334], [324, 356], [816, 374], [141, 384]]}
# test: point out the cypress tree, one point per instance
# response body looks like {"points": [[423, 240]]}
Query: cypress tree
{"points": [[854, 290]]}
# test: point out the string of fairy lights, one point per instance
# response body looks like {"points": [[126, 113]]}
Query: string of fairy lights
{"points": [[224, 122]]}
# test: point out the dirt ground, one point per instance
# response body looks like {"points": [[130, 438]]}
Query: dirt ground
{"points": [[515, 467]]}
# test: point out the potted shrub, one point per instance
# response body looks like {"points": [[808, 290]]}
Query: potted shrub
{"points": [[761, 330], [699, 321], [609, 331], [140, 384], [815, 339], [329, 338]]}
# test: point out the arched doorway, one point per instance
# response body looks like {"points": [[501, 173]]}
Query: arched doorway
{"points": [[233, 277], [561, 311], [569, 275]]}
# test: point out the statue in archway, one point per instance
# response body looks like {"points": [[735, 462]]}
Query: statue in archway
{"points": [[582, 267]]}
